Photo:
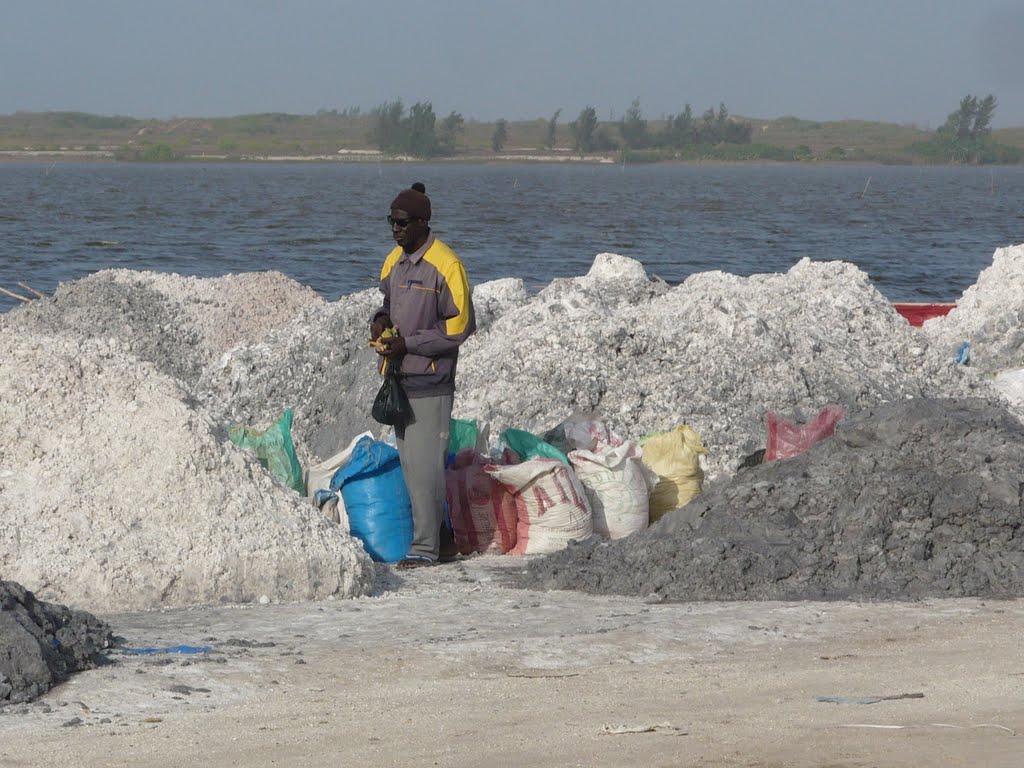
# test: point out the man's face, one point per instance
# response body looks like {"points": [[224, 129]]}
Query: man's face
{"points": [[408, 232]]}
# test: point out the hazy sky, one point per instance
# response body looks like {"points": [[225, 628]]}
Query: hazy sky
{"points": [[904, 61]]}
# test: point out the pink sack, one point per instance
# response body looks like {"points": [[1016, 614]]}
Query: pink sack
{"points": [[786, 439], [481, 510]]}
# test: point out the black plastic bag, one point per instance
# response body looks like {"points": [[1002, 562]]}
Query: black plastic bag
{"points": [[391, 406]]}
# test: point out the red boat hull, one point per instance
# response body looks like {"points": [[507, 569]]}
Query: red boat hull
{"points": [[917, 313]]}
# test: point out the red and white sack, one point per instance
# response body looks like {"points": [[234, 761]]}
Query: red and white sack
{"points": [[617, 484], [551, 505], [481, 510], [787, 439]]}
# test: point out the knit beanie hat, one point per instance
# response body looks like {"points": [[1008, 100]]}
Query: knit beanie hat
{"points": [[413, 201]]}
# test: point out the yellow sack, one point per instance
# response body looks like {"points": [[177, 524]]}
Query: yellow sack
{"points": [[675, 457]]}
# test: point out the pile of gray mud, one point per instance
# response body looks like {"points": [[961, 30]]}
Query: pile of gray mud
{"points": [[917, 498], [42, 644]]}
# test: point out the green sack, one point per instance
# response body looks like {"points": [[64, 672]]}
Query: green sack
{"points": [[273, 447], [462, 433], [529, 446]]}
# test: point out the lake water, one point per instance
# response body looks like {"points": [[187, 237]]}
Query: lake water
{"points": [[921, 233]]}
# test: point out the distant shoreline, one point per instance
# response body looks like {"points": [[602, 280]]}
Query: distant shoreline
{"points": [[44, 157], [349, 138], [39, 155]]}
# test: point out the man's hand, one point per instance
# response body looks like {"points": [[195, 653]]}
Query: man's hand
{"points": [[378, 326], [393, 346]]}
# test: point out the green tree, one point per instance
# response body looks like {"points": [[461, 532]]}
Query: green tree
{"points": [[552, 130], [982, 125], [721, 121], [603, 140], [422, 139], [680, 130], [960, 124], [965, 117], [706, 133], [582, 130], [451, 127], [737, 132], [388, 133], [730, 130], [966, 137], [396, 132], [158, 153], [634, 128], [500, 135]]}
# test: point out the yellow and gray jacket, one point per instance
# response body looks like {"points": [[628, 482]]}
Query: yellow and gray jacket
{"points": [[426, 294]]}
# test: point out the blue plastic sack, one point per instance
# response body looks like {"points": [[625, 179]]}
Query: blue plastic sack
{"points": [[376, 500]]}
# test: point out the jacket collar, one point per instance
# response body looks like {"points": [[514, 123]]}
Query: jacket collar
{"points": [[415, 256]]}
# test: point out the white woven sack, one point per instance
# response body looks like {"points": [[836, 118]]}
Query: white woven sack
{"points": [[551, 505], [617, 484], [319, 475]]}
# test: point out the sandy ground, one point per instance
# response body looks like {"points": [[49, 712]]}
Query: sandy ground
{"points": [[451, 666]]}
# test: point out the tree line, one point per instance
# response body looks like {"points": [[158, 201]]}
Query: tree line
{"points": [[417, 131], [966, 136]]}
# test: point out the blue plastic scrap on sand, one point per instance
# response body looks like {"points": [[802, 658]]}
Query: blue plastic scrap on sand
{"points": [[963, 355], [172, 649]]}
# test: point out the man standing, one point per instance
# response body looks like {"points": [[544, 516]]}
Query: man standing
{"points": [[427, 303]]}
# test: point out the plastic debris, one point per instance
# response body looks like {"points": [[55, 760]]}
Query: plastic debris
{"points": [[616, 730], [172, 649]]}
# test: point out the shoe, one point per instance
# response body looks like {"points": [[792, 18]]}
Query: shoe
{"points": [[414, 561]]}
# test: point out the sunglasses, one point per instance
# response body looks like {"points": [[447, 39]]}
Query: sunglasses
{"points": [[400, 223]]}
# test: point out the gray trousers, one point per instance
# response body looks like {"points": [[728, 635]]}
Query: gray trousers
{"points": [[422, 446]]}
